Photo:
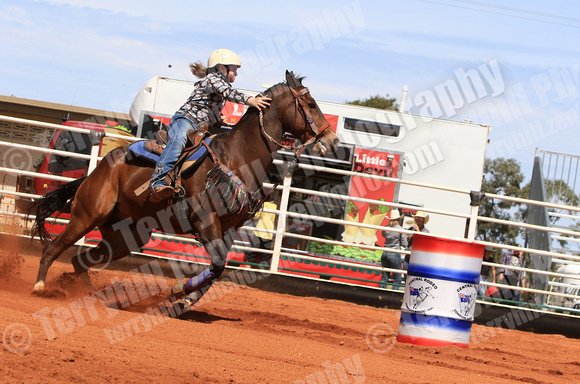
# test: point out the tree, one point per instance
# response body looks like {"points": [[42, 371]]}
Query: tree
{"points": [[377, 101], [501, 177], [557, 192]]}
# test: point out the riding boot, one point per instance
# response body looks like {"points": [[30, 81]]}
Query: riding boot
{"points": [[161, 192]]}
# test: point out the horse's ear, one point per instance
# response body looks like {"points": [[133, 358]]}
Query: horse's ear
{"points": [[291, 79]]}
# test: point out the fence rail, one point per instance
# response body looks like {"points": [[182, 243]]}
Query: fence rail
{"points": [[284, 213]]}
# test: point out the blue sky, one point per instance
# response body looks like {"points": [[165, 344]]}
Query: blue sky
{"points": [[98, 54]]}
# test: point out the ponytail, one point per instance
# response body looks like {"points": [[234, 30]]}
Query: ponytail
{"points": [[198, 69]]}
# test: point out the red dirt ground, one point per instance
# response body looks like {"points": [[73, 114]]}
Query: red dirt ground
{"points": [[245, 336]]}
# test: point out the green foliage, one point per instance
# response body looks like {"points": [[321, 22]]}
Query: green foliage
{"points": [[504, 177], [501, 177], [377, 101], [557, 192]]}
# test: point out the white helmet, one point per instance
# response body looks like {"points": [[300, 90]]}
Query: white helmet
{"points": [[224, 57]]}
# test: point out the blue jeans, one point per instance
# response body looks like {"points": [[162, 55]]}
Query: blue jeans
{"points": [[391, 260], [176, 140]]}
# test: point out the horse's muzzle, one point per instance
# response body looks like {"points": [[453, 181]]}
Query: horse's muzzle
{"points": [[327, 144]]}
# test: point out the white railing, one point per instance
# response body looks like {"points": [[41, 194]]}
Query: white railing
{"points": [[283, 213], [93, 158]]}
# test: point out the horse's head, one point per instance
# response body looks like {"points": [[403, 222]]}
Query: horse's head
{"points": [[304, 119]]}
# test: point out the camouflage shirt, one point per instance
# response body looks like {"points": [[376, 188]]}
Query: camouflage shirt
{"points": [[209, 97]]}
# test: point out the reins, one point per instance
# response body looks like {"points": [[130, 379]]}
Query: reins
{"points": [[267, 135]]}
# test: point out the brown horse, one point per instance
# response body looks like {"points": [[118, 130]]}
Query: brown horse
{"points": [[220, 198]]}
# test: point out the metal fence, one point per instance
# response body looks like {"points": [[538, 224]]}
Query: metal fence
{"points": [[557, 179], [552, 288]]}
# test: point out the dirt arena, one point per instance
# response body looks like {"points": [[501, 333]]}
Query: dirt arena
{"points": [[244, 336]]}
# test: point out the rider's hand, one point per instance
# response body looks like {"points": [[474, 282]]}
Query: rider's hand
{"points": [[260, 102]]}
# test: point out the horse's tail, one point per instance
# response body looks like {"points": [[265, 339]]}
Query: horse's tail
{"points": [[55, 201]]}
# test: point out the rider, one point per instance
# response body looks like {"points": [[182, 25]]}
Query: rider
{"points": [[202, 107]]}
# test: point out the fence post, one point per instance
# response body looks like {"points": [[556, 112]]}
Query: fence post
{"points": [[476, 197], [281, 223], [94, 158]]}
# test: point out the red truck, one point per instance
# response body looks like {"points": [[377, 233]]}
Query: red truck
{"points": [[59, 165]]}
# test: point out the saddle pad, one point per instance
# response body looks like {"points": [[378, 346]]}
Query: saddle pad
{"points": [[140, 152]]}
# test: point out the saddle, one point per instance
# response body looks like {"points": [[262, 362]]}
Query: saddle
{"points": [[194, 139], [191, 157]]}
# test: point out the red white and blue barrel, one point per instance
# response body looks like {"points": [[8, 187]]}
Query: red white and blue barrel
{"points": [[440, 291]]}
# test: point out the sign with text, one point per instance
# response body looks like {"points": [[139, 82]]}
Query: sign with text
{"points": [[380, 163]]}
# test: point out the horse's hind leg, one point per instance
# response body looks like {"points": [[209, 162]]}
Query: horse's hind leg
{"points": [[113, 246], [75, 230], [86, 214], [218, 246]]}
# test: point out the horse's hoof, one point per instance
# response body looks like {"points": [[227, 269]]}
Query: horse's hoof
{"points": [[190, 300], [177, 291], [39, 286], [186, 303]]}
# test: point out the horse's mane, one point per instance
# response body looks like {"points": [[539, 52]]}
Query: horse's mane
{"points": [[273, 89], [271, 92]]}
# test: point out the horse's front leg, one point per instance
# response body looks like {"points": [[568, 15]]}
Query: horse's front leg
{"points": [[217, 245]]}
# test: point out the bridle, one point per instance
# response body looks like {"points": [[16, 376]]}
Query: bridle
{"points": [[299, 107], [298, 100]]}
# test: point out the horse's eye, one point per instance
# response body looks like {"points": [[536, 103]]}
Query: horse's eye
{"points": [[312, 105]]}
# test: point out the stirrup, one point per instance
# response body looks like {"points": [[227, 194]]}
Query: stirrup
{"points": [[161, 192]]}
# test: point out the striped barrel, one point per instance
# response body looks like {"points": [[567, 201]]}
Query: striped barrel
{"points": [[440, 291]]}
